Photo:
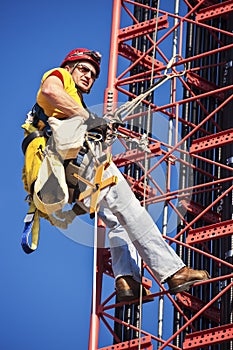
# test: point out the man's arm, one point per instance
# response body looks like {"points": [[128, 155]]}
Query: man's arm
{"points": [[52, 89]]}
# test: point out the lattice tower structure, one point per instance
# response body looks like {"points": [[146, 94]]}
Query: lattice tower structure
{"points": [[185, 180]]}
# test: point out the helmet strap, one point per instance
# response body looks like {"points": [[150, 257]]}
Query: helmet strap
{"points": [[73, 68]]}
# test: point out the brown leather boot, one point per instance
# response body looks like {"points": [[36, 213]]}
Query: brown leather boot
{"points": [[128, 289], [185, 278]]}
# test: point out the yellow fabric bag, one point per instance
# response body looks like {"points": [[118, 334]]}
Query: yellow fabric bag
{"points": [[33, 158], [50, 190]]}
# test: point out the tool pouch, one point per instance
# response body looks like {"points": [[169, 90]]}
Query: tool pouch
{"points": [[68, 135], [50, 189]]}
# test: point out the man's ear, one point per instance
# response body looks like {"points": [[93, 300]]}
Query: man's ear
{"points": [[67, 68]]}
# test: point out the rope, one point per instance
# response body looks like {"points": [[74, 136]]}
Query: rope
{"points": [[129, 106], [91, 149]]}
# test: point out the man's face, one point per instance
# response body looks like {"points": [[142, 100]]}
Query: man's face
{"points": [[84, 75]]}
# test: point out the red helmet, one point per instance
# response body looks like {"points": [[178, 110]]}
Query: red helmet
{"points": [[93, 57]]}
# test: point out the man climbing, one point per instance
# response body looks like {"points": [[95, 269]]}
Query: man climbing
{"points": [[130, 226]]}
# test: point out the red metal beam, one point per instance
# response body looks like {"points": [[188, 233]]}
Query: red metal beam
{"points": [[135, 155], [140, 188], [195, 304], [144, 342], [96, 293], [196, 209], [107, 262], [202, 84], [111, 94], [209, 232], [204, 338], [133, 54], [217, 10], [142, 28], [211, 141]]}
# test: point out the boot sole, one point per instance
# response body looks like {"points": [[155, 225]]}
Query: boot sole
{"points": [[125, 295], [183, 287], [128, 295]]}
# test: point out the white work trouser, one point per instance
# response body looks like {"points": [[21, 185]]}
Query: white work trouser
{"points": [[136, 225], [125, 259]]}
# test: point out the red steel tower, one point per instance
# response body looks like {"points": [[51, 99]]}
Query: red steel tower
{"points": [[183, 49]]}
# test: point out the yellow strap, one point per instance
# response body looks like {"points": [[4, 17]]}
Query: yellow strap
{"points": [[99, 184]]}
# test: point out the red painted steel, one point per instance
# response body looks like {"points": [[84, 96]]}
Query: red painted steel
{"points": [[209, 142], [135, 155], [96, 293], [208, 337], [203, 84], [145, 343], [139, 187], [196, 208], [214, 11], [191, 303], [111, 95], [133, 54], [142, 28], [206, 233]]}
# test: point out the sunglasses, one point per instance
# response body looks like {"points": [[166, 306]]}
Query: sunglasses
{"points": [[85, 70]]}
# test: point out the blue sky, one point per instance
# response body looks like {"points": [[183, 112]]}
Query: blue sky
{"points": [[45, 298]]}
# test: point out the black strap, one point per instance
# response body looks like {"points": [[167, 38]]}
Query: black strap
{"points": [[39, 114]]}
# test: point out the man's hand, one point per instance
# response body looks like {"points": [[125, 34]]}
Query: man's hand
{"points": [[113, 120]]}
